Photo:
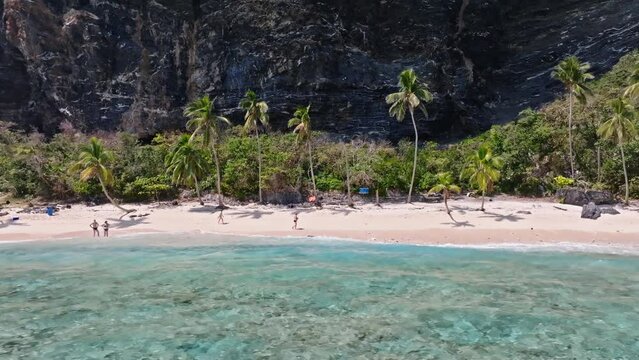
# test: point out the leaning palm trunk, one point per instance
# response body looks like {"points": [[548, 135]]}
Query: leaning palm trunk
{"points": [[218, 177], [106, 193], [310, 159], [412, 180], [625, 173], [259, 165], [572, 161], [483, 200], [446, 195]]}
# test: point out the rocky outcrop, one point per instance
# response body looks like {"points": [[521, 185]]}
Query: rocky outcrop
{"points": [[591, 211], [579, 197], [133, 65]]}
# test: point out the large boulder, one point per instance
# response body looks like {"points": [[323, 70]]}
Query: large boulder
{"points": [[283, 197], [600, 197], [579, 197], [591, 211], [572, 196]]}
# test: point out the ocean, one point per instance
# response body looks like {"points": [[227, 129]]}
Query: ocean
{"points": [[206, 297]]}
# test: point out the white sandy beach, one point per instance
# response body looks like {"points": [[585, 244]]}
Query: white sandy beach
{"points": [[511, 221]]}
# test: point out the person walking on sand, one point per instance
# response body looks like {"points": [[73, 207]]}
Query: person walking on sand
{"points": [[95, 226], [220, 218], [106, 228], [295, 218]]}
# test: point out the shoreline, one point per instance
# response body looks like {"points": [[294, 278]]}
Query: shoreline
{"points": [[139, 239], [505, 223]]}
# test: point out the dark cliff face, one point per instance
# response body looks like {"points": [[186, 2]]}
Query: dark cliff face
{"points": [[132, 65]]}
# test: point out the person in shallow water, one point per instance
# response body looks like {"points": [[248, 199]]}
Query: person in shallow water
{"points": [[220, 218], [106, 228], [94, 225], [295, 218]]}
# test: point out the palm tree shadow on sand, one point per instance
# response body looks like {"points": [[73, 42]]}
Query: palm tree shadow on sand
{"points": [[125, 224], [459, 224], [253, 214], [205, 209], [4, 224], [499, 217]]}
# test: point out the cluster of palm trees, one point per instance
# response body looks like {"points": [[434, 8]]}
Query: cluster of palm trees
{"points": [[187, 159], [482, 168], [620, 128]]}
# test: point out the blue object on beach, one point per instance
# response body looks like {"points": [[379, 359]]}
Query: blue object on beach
{"points": [[15, 218], [363, 191], [50, 211]]}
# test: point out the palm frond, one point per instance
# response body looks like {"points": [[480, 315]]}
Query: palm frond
{"points": [[411, 95]]}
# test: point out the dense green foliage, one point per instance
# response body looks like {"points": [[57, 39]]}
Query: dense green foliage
{"points": [[533, 149]]}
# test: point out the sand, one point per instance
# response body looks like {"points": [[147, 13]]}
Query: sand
{"points": [[505, 221]]}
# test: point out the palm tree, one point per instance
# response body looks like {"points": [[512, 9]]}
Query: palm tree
{"points": [[94, 164], [620, 128], [203, 122], [482, 171], [302, 122], [412, 95], [632, 91], [256, 113], [573, 74], [446, 187], [185, 163]]}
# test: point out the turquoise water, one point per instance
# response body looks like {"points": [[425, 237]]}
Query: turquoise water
{"points": [[313, 300]]}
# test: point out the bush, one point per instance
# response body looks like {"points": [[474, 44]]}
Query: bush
{"points": [[427, 181], [562, 182], [328, 182], [148, 189], [87, 190], [531, 186]]}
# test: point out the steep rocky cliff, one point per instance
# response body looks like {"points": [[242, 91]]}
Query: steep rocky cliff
{"points": [[132, 65]]}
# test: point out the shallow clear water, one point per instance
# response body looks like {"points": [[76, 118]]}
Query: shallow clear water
{"points": [[314, 300]]}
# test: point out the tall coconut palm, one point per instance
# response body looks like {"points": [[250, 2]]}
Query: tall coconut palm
{"points": [[185, 163], [412, 95], [256, 114], [445, 186], [94, 164], [620, 128], [205, 124], [482, 171], [574, 75], [632, 91], [302, 122]]}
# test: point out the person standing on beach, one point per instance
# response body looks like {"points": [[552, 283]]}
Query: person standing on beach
{"points": [[295, 218], [95, 226], [106, 228], [220, 218]]}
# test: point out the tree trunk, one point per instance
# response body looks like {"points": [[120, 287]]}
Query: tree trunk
{"points": [[446, 201], [310, 159], [412, 180], [197, 191], [218, 177], [347, 169], [483, 199], [625, 173], [106, 193], [259, 164], [446, 195], [572, 161], [598, 164]]}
